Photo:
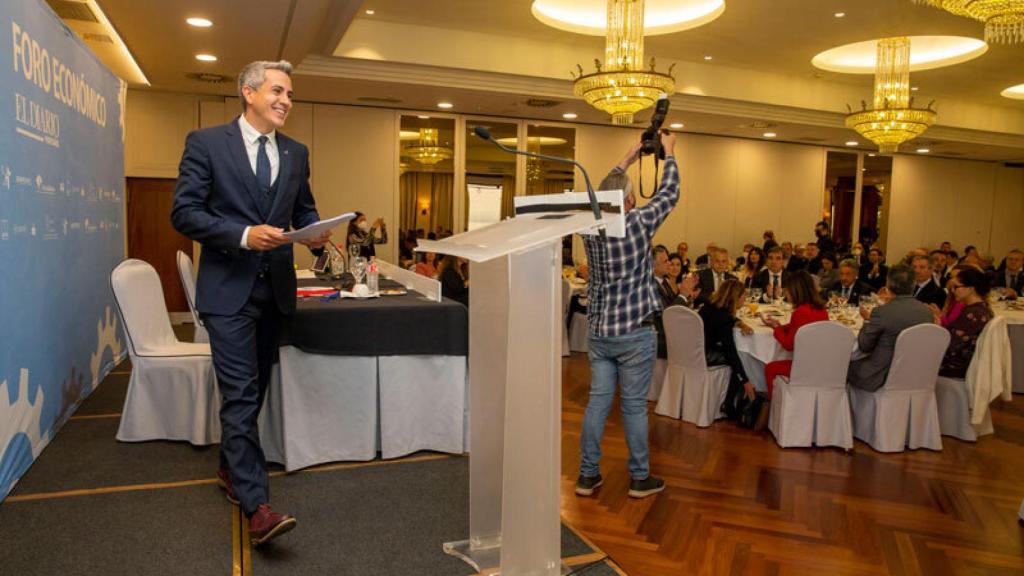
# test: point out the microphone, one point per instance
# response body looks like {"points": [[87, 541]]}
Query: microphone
{"points": [[485, 134]]}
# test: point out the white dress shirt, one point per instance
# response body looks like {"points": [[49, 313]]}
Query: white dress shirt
{"points": [[251, 138]]}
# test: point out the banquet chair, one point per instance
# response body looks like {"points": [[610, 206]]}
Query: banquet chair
{"points": [[957, 402], [810, 407], [903, 412], [188, 282], [566, 297], [172, 393], [690, 391]]}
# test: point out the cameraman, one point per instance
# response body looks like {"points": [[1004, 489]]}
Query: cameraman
{"points": [[623, 302]]}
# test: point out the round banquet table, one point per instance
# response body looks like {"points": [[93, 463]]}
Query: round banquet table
{"points": [[1014, 314], [761, 347]]}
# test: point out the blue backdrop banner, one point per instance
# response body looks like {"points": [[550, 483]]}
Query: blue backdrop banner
{"points": [[61, 227]]}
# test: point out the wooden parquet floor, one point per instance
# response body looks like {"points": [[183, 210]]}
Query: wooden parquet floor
{"points": [[736, 503]]}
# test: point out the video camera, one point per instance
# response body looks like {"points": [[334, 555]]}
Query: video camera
{"points": [[650, 142]]}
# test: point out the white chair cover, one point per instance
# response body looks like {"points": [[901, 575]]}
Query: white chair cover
{"points": [[956, 401], [657, 379], [189, 284], [690, 390], [903, 412], [990, 373], [811, 406], [579, 333], [566, 298], [172, 393]]}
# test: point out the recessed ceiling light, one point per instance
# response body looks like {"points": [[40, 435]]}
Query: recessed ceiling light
{"points": [[1014, 92], [199, 22], [445, 105], [769, 134], [569, 115], [839, 14], [676, 125], [915, 88], [863, 169], [370, 12], [923, 150], [872, 154], [852, 143], [206, 57], [423, 117], [708, 57]]}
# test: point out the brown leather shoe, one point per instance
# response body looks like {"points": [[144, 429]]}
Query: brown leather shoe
{"points": [[265, 525], [224, 481]]}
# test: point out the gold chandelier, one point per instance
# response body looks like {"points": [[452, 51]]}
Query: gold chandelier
{"points": [[426, 151], [893, 120], [624, 87], [1004, 19]]}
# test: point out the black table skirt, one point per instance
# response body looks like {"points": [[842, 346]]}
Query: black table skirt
{"points": [[386, 326]]}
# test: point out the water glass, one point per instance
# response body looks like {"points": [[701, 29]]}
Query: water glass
{"points": [[358, 268]]}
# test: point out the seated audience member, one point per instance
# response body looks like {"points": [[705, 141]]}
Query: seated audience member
{"points": [[713, 277], [705, 259], [875, 272], [719, 316], [813, 255], [970, 287], [969, 252], [858, 254], [406, 249], [925, 288], [951, 311], [454, 283], [787, 252], [741, 260], [946, 246], [771, 279], [849, 287], [808, 307], [827, 275], [877, 338], [751, 268], [427, 265], [675, 270], [660, 268], [681, 249], [940, 267], [769, 241], [797, 261], [987, 263], [1012, 277]]}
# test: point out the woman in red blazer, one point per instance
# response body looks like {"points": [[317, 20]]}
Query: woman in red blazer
{"points": [[808, 307]]}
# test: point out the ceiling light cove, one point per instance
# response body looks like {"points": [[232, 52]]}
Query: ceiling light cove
{"points": [[1015, 92], [206, 57], [199, 22], [660, 16], [926, 53], [569, 115], [769, 134], [445, 105]]}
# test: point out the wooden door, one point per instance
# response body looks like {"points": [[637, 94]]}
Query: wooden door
{"points": [[152, 238]]}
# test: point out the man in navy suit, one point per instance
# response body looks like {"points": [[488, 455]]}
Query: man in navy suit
{"points": [[240, 186]]}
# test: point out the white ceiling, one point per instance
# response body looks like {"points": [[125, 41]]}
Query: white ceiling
{"points": [[752, 38]]}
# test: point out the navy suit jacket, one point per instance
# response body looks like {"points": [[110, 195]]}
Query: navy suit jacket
{"points": [[216, 197]]}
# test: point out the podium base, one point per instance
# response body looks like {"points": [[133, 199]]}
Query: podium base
{"points": [[484, 559]]}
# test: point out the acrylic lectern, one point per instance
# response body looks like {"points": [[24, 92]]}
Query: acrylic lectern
{"points": [[515, 374]]}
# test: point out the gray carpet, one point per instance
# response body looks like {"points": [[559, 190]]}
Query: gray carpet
{"points": [[108, 398], [178, 532]]}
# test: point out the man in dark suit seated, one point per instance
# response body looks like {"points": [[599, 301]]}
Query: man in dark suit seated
{"points": [[877, 338], [770, 280], [711, 278], [925, 288], [849, 287], [705, 258], [813, 255], [940, 267], [874, 272], [1012, 278], [240, 186], [797, 261]]}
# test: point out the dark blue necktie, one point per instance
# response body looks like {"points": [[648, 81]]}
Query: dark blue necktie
{"points": [[263, 166]]}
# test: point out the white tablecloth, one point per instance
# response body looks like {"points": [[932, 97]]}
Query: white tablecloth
{"points": [[761, 347], [1015, 330], [323, 408]]}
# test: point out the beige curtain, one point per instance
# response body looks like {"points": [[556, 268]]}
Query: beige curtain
{"points": [[442, 189], [407, 186], [508, 192]]}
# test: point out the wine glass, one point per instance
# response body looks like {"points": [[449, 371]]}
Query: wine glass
{"points": [[755, 294], [358, 268]]}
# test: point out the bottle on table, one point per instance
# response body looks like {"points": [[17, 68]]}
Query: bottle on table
{"points": [[372, 275]]}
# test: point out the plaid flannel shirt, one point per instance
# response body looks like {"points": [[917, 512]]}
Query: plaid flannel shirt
{"points": [[622, 293]]}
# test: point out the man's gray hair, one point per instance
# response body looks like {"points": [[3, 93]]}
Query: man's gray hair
{"points": [[617, 181], [849, 263], [901, 280], [255, 73]]}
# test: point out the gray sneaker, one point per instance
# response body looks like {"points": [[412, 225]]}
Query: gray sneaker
{"points": [[644, 488], [585, 485]]}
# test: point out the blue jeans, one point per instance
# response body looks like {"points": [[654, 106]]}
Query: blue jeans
{"points": [[628, 360]]}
